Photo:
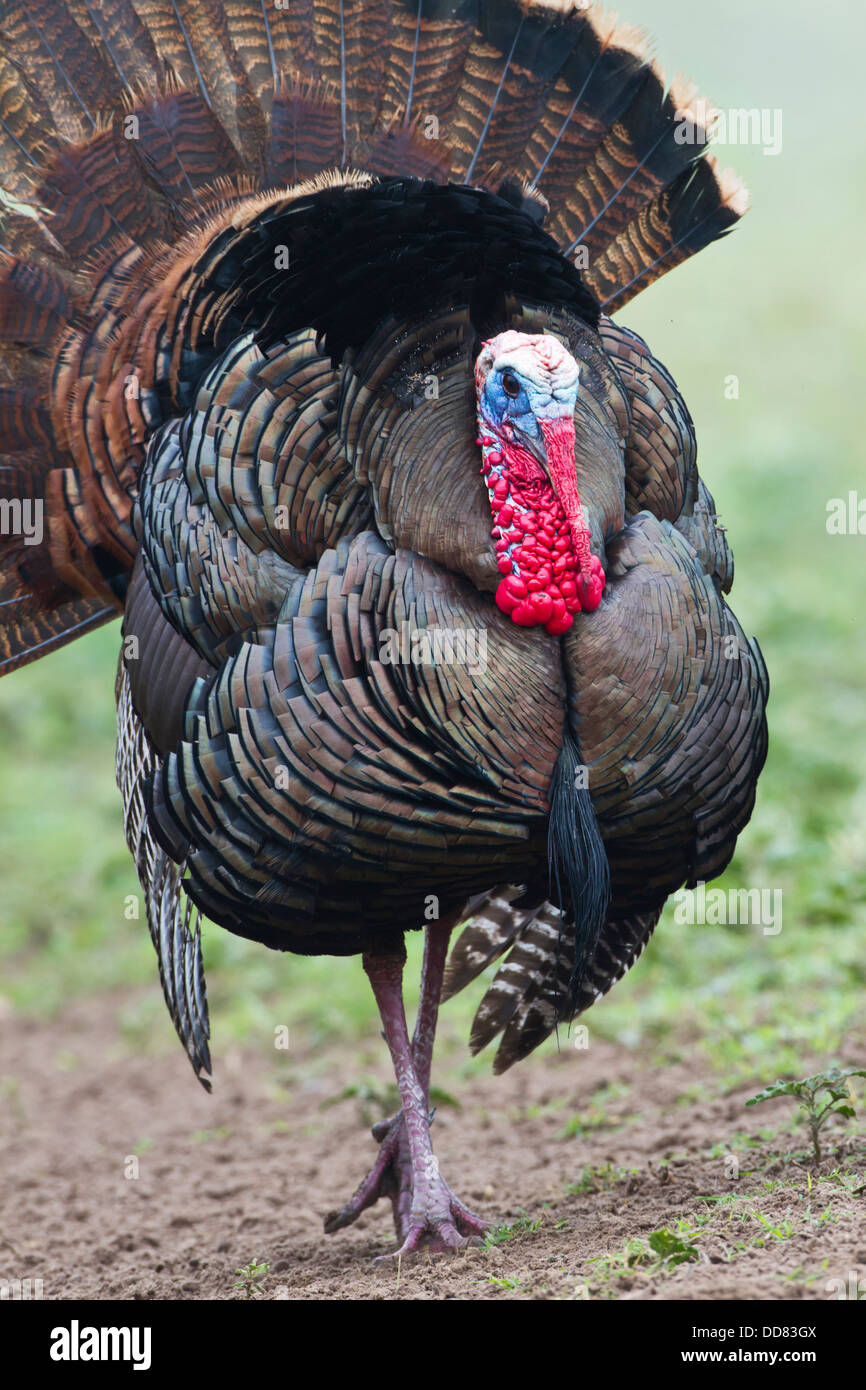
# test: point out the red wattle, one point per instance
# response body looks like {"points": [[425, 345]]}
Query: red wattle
{"points": [[524, 614], [542, 606], [590, 587], [541, 541], [559, 624], [504, 599]]}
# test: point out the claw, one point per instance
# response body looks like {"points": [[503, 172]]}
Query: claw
{"points": [[431, 1218], [440, 1238]]}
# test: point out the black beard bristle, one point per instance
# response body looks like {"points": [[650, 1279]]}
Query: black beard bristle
{"points": [[577, 862]]}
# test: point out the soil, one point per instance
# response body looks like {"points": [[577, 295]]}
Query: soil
{"points": [[249, 1173]]}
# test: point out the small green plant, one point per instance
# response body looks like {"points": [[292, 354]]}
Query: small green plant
{"points": [[596, 1177], [521, 1226], [648, 1259], [671, 1248], [251, 1277], [811, 1092], [207, 1136], [780, 1230]]}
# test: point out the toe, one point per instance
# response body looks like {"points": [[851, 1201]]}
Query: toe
{"points": [[425, 1238]]}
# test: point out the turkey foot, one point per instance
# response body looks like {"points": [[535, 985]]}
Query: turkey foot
{"points": [[390, 1176], [416, 1212], [436, 1220], [426, 1213]]}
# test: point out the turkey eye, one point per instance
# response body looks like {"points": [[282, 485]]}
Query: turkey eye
{"points": [[510, 385]]}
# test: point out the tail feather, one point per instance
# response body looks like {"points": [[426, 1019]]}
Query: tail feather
{"points": [[35, 302], [38, 611], [225, 84], [27, 637], [25, 125], [596, 84], [165, 22], [500, 101], [127, 44], [635, 160], [193, 41], [262, 41], [483, 96], [94, 193], [58, 58], [601, 147], [300, 23], [396, 149], [425, 63], [182, 148], [700, 206], [24, 420], [306, 136], [360, 77]]}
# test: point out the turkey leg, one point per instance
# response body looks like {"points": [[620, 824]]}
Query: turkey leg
{"points": [[436, 941], [426, 1212]]}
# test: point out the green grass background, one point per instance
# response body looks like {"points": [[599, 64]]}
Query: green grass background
{"points": [[779, 304]]}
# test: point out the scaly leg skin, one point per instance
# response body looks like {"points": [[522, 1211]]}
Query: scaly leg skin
{"points": [[427, 1215]]}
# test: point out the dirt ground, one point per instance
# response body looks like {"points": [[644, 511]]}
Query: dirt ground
{"points": [[249, 1172]]}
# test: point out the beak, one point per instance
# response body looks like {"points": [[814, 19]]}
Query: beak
{"points": [[535, 447], [558, 463]]}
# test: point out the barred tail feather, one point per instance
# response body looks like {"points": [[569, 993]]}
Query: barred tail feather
{"points": [[175, 925], [531, 993], [700, 206]]}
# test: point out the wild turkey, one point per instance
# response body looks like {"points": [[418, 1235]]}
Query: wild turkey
{"points": [[296, 301]]}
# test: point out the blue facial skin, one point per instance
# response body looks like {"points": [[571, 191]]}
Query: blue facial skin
{"points": [[518, 411], [526, 410]]}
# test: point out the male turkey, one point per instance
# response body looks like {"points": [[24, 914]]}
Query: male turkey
{"points": [[309, 369]]}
